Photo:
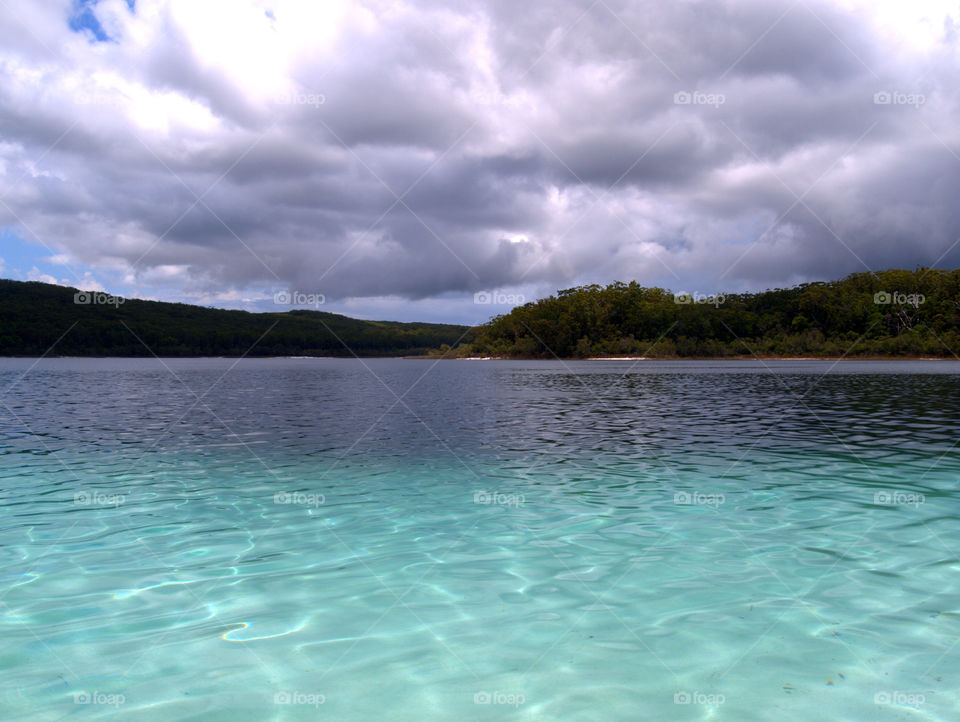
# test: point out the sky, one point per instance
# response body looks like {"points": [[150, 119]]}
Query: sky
{"points": [[444, 160]]}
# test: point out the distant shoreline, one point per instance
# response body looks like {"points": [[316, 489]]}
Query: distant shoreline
{"points": [[758, 357]]}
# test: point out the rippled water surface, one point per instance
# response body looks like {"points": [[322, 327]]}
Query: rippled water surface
{"points": [[295, 539]]}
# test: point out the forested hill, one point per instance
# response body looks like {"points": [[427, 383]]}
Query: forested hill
{"points": [[39, 318], [888, 313]]}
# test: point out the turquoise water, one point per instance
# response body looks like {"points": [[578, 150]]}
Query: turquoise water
{"points": [[287, 539]]}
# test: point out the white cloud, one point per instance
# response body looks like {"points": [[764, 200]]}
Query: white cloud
{"points": [[34, 274], [540, 148]]}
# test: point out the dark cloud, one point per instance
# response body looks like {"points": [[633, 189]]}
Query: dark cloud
{"points": [[736, 145]]}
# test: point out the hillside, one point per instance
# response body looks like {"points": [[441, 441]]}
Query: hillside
{"points": [[34, 317], [888, 313]]}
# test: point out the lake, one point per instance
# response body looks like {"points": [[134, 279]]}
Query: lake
{"points": [[274, 539]]}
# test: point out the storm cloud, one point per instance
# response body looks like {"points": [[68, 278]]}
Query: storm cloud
{"points": [[406, 155]]}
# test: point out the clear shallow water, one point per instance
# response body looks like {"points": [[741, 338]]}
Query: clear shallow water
{"points": [[394, 539]]}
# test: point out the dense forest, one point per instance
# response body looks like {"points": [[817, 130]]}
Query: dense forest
{"points": [[40, 318], [888, 313]]}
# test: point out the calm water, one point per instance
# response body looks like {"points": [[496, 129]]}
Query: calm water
{"points": [[407, 540]]}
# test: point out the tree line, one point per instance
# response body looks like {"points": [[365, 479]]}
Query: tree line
{"points": [[40, 318], [887, 313]]}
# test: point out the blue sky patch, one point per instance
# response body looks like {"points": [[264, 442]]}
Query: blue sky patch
{"points": [[84, 18]]}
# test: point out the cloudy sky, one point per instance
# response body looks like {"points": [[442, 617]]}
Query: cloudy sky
{"points": [[399, 157]]}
